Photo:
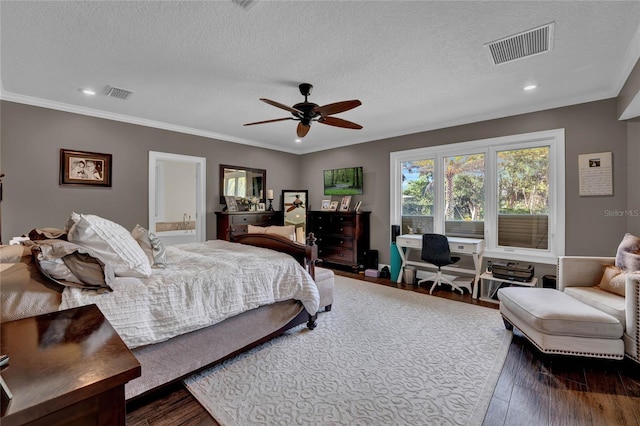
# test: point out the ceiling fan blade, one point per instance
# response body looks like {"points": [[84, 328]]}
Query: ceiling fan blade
{"points": [[337, 107], [303, 129], [282, 106], [339, 122], [269, 121]]}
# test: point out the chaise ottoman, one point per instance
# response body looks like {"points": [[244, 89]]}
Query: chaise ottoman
{"points": [[556, 323], [324, 279]]}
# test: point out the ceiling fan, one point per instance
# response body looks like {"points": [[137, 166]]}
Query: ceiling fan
{"points": [[306, 112]]}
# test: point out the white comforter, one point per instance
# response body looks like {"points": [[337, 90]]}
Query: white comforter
{"points": [[204, 284]]}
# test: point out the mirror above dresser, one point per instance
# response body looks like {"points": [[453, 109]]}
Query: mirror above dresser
{"points": [[242, 182]]}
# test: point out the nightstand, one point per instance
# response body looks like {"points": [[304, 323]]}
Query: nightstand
{"points": [[66, 367]]}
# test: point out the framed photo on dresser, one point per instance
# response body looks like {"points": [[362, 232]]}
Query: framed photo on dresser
{"points": [[232, 204], [345, 204]]}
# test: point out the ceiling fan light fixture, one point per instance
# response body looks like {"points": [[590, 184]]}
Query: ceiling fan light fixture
{"points": [[307, 112]]}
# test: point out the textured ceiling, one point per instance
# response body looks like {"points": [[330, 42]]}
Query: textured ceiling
{"points": [[200, 67]]}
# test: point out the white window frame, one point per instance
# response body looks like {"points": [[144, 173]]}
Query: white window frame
{"points": [[554, 139]]}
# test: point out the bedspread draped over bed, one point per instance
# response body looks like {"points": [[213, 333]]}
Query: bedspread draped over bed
{"points": [[203, 284]]}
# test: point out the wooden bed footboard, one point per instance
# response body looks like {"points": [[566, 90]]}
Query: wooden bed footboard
{"points": [[305, 254]]}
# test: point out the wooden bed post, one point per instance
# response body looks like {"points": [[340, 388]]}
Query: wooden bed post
{"points": [[311, 251]]}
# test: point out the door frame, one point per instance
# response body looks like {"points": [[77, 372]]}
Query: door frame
{"points": [[155, 197]]}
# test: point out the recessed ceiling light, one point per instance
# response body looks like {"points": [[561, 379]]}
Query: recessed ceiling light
{"points": [[298, 140], [530, 87], [88, 92]]}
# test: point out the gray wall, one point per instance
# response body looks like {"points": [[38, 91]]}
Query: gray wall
{"points": [[633, 188], [33, 136], [590, 127], [630, 90], [31, 141]]}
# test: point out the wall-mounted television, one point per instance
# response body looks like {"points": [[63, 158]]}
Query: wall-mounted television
{"points": [[344, 181]]}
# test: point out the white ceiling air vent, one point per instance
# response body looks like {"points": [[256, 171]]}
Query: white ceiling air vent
{"points": [[245, 4], [114, 92], [528, 43]]}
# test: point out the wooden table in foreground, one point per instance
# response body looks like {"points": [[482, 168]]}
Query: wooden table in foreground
{"points": [[67, 367]]}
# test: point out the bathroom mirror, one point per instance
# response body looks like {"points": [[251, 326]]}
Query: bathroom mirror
{"points": [[177, 197], [243, 182]]}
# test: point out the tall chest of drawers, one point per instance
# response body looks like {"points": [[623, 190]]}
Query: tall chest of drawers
{"points": [[239, 221], [342, 237]]}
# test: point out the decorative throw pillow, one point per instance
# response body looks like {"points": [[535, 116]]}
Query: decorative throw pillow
{"points": [[628, 255], [253, 229], [111, 243], [613, 280], [151, 245], [288, 231]]}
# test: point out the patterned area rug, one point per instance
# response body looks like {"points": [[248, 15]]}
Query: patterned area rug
{"points": [[382, 356]]}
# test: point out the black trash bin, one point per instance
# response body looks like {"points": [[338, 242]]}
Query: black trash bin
{"points": [[549, 281]]}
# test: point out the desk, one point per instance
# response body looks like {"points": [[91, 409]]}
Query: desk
{"points": [[473, 247]]}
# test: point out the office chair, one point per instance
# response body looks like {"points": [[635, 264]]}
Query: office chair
{"points": [[435, 250]]}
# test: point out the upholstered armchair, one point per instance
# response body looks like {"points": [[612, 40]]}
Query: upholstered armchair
{"points": [[582, 278]]}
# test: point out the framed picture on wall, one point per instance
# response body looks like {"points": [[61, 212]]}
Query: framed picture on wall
{"points": [[84, 168]]}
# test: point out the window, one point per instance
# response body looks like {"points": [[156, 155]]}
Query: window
{"points": [[523, 198], [236, 185], [417, 196], [508, 191]]}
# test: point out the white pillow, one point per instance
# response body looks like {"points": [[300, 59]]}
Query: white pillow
{"points": [[110, 242]]}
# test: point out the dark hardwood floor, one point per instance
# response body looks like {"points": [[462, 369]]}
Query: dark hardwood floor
{"points": [[533, 389]]}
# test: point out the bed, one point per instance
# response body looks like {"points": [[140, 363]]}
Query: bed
{"points": [[290, 292]]}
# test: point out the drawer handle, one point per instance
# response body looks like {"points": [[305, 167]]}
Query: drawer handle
{"points": [[341, 242], [319, 227], [341, 229], [244, 218]]}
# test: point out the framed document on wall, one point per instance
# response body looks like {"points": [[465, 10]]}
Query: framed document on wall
{"points": [[595, 174]]}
